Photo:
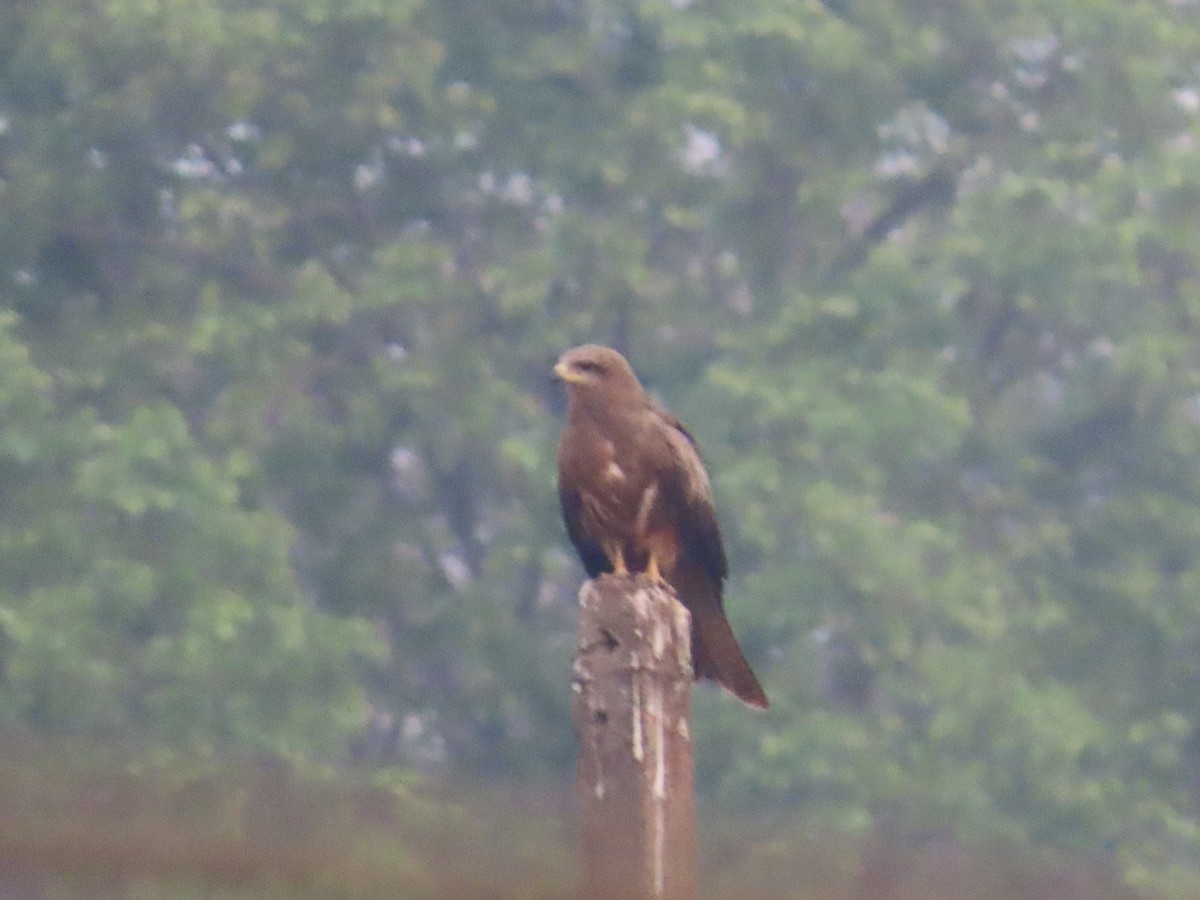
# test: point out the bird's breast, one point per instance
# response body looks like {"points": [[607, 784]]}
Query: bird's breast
{"points": [[616, 485]]}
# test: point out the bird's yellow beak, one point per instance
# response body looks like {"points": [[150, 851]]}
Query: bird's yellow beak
{"points": [[563, 373]]}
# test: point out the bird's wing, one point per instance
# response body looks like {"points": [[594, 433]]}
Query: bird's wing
{"points": [[591, 554], [685, 486], [701, 569]]}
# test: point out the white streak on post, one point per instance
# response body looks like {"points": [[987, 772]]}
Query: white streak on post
{"points": [[655, 712], [637, 713]]}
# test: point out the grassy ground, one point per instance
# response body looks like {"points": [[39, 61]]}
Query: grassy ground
{"points": [[78, 821], [82, 822]]}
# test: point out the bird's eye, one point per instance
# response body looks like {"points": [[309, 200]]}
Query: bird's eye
{"points": [[585, 365]]}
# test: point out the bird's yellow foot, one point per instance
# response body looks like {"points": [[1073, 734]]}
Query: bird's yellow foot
{"points": [[653, 572]]}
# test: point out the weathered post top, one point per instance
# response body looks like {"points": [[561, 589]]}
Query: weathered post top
{"points": [[631, 707]]}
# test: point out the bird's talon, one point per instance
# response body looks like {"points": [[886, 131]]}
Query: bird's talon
{"points": [[654, 573]]}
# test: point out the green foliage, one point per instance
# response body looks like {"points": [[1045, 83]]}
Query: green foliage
{"points": [[144, 598]]}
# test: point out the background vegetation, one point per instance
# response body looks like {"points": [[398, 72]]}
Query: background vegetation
{"points": [[281, 283]]}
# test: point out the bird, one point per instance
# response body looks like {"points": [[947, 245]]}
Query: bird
{"points": [[636, 498]]}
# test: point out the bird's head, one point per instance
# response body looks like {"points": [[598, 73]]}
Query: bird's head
{"points": [[592, 370]]}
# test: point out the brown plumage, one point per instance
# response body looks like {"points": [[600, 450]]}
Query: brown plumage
{"points": [[636, 498]]}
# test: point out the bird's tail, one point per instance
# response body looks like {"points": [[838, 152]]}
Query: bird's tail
{"points": [[715, 650]]}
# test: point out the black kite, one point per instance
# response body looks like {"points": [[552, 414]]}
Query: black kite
{"points": [[636, 498]]}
